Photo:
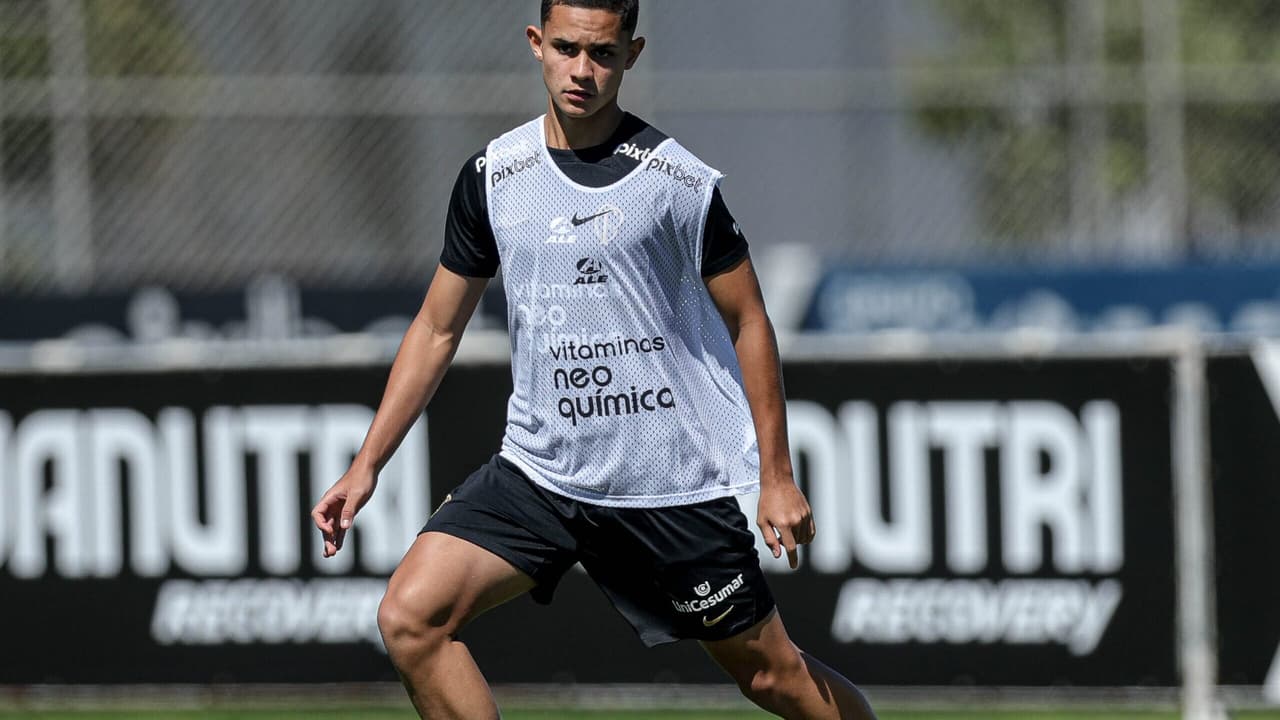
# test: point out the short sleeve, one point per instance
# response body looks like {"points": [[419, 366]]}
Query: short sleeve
{"points": [[723, 243], [469, 245]]}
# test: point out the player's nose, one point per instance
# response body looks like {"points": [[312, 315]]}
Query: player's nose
{"points": [[581, 67]]}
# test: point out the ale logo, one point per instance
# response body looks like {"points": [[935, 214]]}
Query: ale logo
{"points": [[589, 272]]}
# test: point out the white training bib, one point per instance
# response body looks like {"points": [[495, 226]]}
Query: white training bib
{"points": [[626, 388]]}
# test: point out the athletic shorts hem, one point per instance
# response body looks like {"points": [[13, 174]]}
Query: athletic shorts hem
{"points": [[654, 638]]}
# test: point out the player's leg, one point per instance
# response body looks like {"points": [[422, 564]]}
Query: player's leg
{"points": [[709, 587], [442, 583], [779, 677], [495, 537], [706, 584]]}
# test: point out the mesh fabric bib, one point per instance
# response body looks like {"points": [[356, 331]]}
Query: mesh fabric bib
{"points": [[626, 389]]}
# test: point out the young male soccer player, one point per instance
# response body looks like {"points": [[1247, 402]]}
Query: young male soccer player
{"points": [[646, 395]]}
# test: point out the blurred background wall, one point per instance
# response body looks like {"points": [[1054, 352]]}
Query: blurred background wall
{"points": [[198, 145]]}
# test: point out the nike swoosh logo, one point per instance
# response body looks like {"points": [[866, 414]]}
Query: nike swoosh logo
{"points": [[578, 221], [709, 623]]}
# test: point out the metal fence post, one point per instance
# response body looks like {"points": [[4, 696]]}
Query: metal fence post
{"points": [[1193, 535], [72, 198]]}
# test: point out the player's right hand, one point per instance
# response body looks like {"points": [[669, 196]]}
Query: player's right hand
{"points": [[337, 508]]}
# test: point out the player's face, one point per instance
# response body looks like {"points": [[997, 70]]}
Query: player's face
{"points": [[583, 53]]}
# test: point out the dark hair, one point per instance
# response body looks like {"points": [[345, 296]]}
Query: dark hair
{"points": [[628, 9]]}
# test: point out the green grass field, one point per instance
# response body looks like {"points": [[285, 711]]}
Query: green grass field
{"points": [[336, 714]]}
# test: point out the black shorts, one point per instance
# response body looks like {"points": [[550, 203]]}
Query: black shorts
{"points": [[689, 571]]}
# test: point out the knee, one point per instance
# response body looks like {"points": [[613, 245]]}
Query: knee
{"points": [[409, 629], [779, 679]]}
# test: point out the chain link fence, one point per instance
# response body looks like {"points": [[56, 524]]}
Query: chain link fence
{"points": [[1116, 130], [198, 145]]}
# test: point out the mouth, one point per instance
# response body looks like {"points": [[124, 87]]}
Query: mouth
{"points": [[578, 96]]}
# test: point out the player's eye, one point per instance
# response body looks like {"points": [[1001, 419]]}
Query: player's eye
{"points": [[604, 54], [568, 50]]}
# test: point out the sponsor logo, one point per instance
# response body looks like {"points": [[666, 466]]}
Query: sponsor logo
{"points": [[1055, 470], [704, 604], [536, 315], [721, 616], [703, 589], [110, 492], [533, 290], [598, 404], [270, 611], [561, 229], [589, 346], [511, 169], [676, 172], [1059, 521], [570, 347], [1071, 613], [589, 272], [579, 220], [606, 221], [634, 152]]}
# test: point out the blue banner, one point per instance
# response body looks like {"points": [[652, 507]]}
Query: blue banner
{"points": [[1215, 298]]}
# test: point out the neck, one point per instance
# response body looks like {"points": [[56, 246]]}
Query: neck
{"points": [[567, 133]]}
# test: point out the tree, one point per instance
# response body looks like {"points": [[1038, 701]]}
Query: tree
{"points": [[1232, 172], [120, 38]]}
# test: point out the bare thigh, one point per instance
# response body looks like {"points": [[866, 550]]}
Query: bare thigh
{"points": [[446, 581]]}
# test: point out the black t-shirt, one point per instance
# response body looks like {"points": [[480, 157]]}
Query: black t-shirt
{"points": [[469, 246]]}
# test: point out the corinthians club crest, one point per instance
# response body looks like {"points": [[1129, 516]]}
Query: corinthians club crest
{"points": [[606, 223]]}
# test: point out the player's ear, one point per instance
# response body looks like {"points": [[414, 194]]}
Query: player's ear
{"points": [[633, 52], [534, 33]]}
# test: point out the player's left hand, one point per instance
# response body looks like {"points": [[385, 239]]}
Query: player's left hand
{"points": [[784, 518]]}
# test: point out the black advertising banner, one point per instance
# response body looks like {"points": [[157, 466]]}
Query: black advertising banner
{"points": [[995, 523], [1244, 419], [156, 525]]}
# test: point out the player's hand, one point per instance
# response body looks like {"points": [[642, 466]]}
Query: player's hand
{"points": [[337, 508], [784, 519]]}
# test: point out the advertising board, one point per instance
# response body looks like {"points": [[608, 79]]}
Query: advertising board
{"points": [[980, 522]]}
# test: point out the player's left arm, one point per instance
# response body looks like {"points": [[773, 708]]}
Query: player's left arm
{"points": [[784, 516]]}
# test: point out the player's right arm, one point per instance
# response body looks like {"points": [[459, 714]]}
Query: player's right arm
{"points": [[424, 356], [469, 259]]}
